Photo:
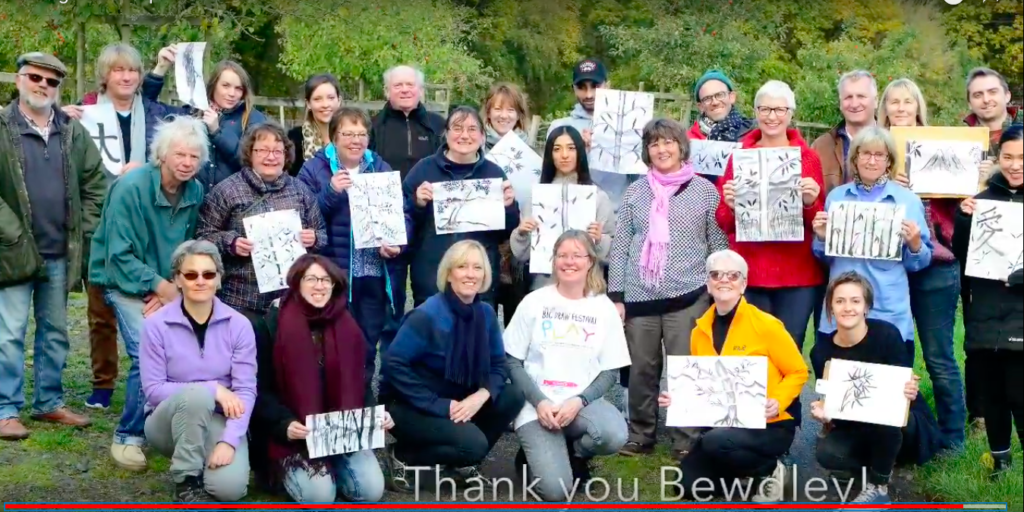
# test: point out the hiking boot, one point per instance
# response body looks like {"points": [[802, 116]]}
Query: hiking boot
{"points": [[128, 456], [11, 429], [771, 489], [397, 480], [1001, 464], [99, 399], [64, 416], [192, 491], [874, 495], [467, 475], [633, 449], [580, 469]]}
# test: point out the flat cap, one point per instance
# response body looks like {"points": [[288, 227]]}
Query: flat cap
{"points": [[43, 60]]}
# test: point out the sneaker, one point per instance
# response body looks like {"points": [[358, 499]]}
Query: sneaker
{"points": [[397, 480], [874, 495], [192, 491], [633, 449], [99, 399], [770, 490], [466, 475], [128, 456]]}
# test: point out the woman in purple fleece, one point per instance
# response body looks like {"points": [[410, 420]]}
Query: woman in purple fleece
{"points": [[198, 366]]}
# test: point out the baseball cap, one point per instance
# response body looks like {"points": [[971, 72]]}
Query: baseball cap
{"points": [[43, 60], [589, 69]]}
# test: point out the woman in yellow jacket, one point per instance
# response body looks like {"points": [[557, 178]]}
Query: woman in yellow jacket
{"points": [[733, 327]]}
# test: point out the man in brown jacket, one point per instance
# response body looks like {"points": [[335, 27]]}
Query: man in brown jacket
{"points": [[858, 101]]}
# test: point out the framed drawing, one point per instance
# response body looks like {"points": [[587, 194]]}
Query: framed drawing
{"points": [[871, 231], [769, 207], [724, 391], [996, 244]]}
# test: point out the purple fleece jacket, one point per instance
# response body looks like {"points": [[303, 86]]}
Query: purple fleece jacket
{"points": [[170, 359]]}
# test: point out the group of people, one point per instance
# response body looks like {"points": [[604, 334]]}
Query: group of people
{"points": [[222, 376]]}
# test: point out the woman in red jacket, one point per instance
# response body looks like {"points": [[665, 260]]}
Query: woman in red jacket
{"points": [[784, 275]]}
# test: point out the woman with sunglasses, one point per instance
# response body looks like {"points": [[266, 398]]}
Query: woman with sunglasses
{"points": [[263, 186], [198, 361]]}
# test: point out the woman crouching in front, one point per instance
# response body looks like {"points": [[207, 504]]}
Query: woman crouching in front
{"points": [[198, 368], [313, 361]]}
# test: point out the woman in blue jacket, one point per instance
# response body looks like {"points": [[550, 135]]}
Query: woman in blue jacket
{"points": [[329, 176]]}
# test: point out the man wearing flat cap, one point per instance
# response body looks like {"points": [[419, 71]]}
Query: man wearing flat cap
{"points": [[51, 192]]}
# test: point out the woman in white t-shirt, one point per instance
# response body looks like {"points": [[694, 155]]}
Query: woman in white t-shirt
{"points": [[565, 345]]}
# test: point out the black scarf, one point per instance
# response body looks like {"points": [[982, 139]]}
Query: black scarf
{"points": [[729, 129], [468, 361]]}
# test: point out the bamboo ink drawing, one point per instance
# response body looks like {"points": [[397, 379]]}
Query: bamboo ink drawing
{"points": [[520, 162], [558, 208], [710, 157], [769, 207], [188, 75], [865, 230], [859, 390], [865, 392], [617, 132], [341, 432], [275, 246], [378, 218]]}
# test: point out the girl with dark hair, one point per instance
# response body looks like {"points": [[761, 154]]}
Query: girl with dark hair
{"points": [[565, 163], [323, 99], [312, 360]]}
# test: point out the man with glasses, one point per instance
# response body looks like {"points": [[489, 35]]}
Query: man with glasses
{"points": [[52, 187], [719, 119]]}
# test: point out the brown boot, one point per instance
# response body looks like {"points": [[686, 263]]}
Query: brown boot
{"points": [[64, 416], [11, 429]]}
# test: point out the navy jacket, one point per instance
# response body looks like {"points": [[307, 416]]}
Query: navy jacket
{"points": [[426, 246], [413, 368]]}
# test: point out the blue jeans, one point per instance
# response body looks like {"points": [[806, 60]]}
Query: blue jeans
{"points": [[50, 298], [356, 476], [934, 292], [128, 310], [370, 309], [792, 306]]}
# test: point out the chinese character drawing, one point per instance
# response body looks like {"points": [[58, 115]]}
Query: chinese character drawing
{"points": [[105, 130], [375, 201], [275, 246], [557, 209], [617, 133], [465, 206], [188, 75], [335, 433], [865, 392], [725, 391], [709, 157], [865, 230], [996, 244], [519, 161], [769, 207], [944, 167]]}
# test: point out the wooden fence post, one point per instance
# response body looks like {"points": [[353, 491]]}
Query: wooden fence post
{"points": [[80, 60]]}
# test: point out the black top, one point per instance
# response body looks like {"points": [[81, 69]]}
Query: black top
{"points": [[403, 140], [198, 328], [125, 120], [883, 344], [720, 328]]}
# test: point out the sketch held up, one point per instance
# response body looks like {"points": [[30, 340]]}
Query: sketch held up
{"points": [[520, 162], [769, 207], [275, 246], [375, 201], [340, 432], [865, 230], [105, 130], [465, 206], [996, 244], [617, 133], [188, 75], [944, 167], [558, 208], [709, 157], [724, 391], [865, 392]]}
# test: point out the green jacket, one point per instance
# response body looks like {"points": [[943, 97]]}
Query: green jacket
{"points": [[139, 231], [84, 182]]}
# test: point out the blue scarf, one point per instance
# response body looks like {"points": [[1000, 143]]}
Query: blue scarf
{"points": [[468, 360]]}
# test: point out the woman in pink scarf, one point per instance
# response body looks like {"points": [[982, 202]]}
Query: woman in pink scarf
{"points": [[657, 277]]}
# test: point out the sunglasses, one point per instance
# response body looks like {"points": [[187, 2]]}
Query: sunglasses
{"points": [[722, 275], [192, 276], [52, 82]]}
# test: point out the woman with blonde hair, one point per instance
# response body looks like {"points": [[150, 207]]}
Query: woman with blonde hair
{"points": [[565, 346], [505, 110], [935, 289], [443, 376]]}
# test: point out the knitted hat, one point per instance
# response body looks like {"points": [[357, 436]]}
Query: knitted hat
{"points": [[713, 74]]}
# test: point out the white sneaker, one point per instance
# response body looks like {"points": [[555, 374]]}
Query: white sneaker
{"points": [[128, 456], [771, 489]]}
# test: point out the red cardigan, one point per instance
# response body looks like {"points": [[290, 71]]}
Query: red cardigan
{"points": [[778, 264]]}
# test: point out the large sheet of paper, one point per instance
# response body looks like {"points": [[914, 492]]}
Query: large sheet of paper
{"points": [[723, 391], [557, 209], [340, 432], [710, 157], [376, 207], [903, 134], [105, 130], [188, 75], [944, 167], [769, 206], [865, 392], [996, 244], [275, 246], [871, 231], [520, 162], [616, 140], [465, 206]]}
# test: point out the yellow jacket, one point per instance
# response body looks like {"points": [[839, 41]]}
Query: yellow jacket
{"points": [[756, 333]]}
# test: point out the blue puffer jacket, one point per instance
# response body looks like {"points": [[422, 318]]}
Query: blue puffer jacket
{"points": [[316, 174]]}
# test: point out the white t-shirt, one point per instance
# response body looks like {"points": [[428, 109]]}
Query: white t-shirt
{"points": [[564, 343]]}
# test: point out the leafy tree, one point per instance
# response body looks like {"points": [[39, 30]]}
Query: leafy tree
{"points": [[992, 33]]}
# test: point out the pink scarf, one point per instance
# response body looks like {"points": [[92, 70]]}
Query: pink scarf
{"points": [[655, 251]]}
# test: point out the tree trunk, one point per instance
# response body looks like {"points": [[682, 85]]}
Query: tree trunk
{"points": [[126, 29]]}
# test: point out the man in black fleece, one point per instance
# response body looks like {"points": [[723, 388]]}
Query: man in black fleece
{"points": [[405, 132]]}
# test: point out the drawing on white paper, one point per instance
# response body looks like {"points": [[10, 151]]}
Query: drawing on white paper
{"points": [[710, 157], [996, 246], [865, 230], [768, 204], [522, 165], [865, 392], [722, 391], [339, 432], [557, 209], [275, 246], [616, 140], [105, 130], [376, 206], [465, 206], [944, 167], [188, 75]]}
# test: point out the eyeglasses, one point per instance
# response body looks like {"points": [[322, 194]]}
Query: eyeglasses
{"points": [[52, 82], [573, 257], [354, 135], [312, 280], [208, 275], [459, 130], [767, 111], [718, 96], [725, 275], [263, 152], [878, 157]]}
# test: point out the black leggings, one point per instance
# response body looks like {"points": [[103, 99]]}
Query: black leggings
{"points": [[1001, 394], [425, 440], [722, 455], [852, 446]]}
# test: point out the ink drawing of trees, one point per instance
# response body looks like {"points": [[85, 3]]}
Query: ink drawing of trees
{"points": [[558, 208], [465, 206], [617, 133], [275, 246], [724, 391], [768, 203], [340, 432], [378, 217], [519, 161], [865, 230]]}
